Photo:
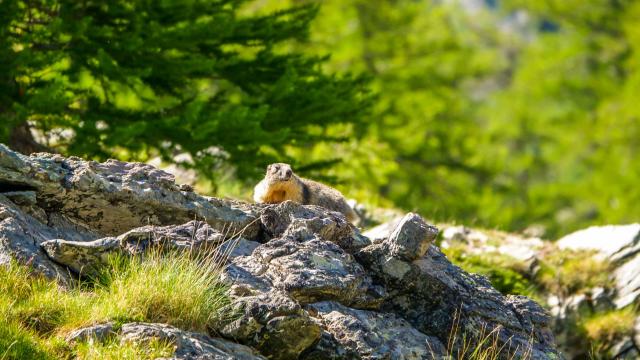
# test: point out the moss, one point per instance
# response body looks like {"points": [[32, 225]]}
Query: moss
{"points": [[505, 273], [567, 272], [603, 330]]}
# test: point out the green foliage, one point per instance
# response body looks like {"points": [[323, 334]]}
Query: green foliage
{"points": [[603, 330], [18, 343], [568, 272], [504, 272], [506, 116], [134, 79], [503, 117]]}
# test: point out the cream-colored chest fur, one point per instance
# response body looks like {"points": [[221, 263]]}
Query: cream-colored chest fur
{"points": [[278, 192]]}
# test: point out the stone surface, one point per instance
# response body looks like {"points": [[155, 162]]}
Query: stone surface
{"points": [[188, 345], [272, 323], [435, 296], [619, 244], [99, 332], [304, 282], [411, 237], [86, 257], [309, 220], [370, 335], [615, 242]]}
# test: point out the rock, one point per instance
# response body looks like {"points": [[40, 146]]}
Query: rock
{"points": [[99, 332], [313, 270], [21, 235], [307, 220], [272, 323], [114, 197], [411, 238], [615, 242], [370, 335], [619, 244], [304, 283], [87, 257], [627, 278], [381, 232], [478, 242], [435, 296], [188, 345]]}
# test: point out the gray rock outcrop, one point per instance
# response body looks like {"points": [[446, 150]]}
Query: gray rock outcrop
{"points": [[304, 282]]}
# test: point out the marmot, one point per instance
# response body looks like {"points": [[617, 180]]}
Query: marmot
{"points": [[281, 184]]}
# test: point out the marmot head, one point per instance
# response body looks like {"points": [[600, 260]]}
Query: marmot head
{"points": [[279, 172]]}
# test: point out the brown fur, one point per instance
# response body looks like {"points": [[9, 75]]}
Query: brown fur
{"points": [[281, 184]]}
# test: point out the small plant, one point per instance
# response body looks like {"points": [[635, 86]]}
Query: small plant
{"points": [[173, 288], [17, 342]]}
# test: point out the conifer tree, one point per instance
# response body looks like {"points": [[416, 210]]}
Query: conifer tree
{"points": [[136, 78]]}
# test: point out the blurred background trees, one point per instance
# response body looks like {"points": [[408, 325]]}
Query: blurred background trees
{"points": [[494, 113], [135, 79]]}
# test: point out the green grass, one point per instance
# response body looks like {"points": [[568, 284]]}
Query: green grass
{"points": [[603, 330], [112, 350], [36, 314], [176, 290], [505, 273], [568, 272]]}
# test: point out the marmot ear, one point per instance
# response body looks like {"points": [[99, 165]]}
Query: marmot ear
{"points": [[269, 167]]}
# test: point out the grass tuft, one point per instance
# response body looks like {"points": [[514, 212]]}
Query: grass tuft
{"points": [[175, 289]]}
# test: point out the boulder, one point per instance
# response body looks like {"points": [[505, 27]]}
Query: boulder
{"points": [[188, 345], [438, 298], [87, 257], [614, 242], [303, 282], [362, 334], [619, 244]]}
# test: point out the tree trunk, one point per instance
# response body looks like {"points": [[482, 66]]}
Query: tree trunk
{"points": [[21, 140]]}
